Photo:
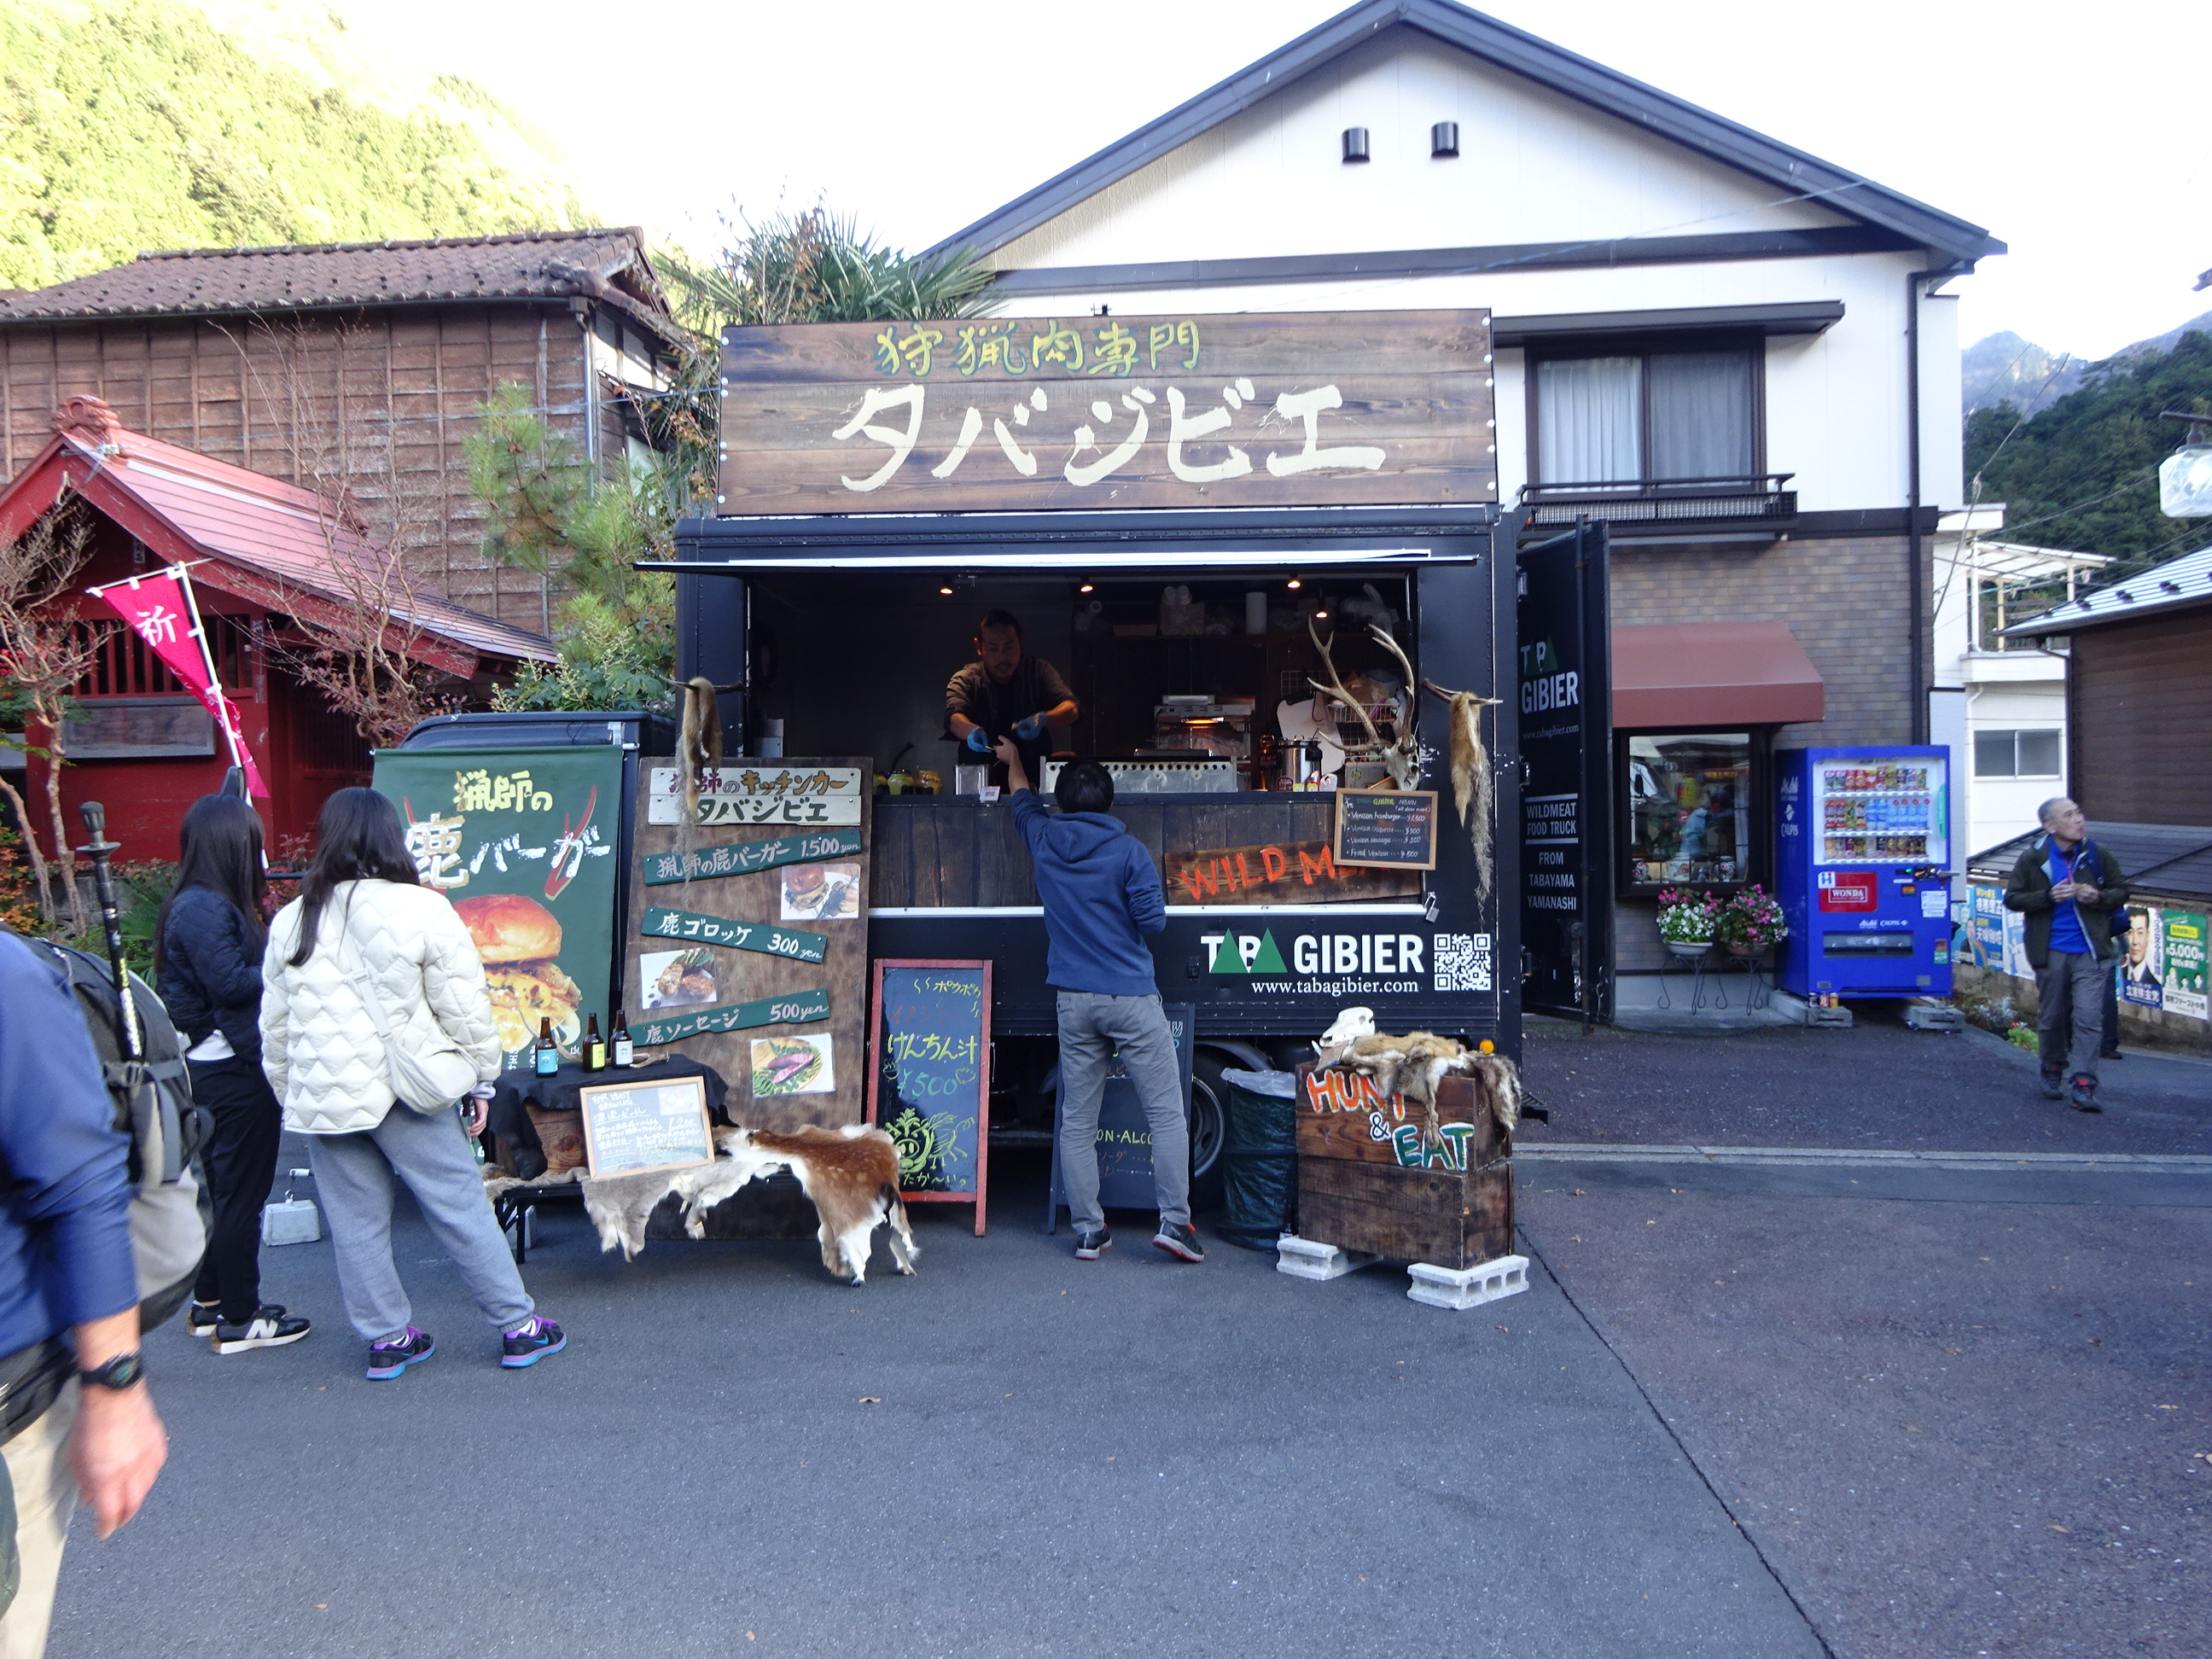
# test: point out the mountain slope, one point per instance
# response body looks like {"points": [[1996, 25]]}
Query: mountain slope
{"points": [[2005, 370], [129, 124]]}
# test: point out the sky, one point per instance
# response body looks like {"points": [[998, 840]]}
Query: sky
{"points": [[2077, 136]]}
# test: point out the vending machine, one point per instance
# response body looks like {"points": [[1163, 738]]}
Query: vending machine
{"points": [[1862, 841]]}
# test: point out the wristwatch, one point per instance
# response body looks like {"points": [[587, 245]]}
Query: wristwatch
{"points": [[123, 1371]]}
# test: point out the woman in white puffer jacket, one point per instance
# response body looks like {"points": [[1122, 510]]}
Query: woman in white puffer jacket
{"points": [[365, 949]]}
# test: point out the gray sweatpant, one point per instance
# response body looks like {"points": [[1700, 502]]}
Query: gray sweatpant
{"points": [[353, 1174], [1093, 1028], [2069, 1021]]}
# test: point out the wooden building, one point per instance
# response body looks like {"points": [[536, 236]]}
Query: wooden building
{"points": [[361, 362], [263, 553]]}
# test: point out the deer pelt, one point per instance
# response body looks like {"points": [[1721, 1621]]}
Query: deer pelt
{"points": [[850, 1175], [699, 744], [1413, 1064], [1470, 773]]}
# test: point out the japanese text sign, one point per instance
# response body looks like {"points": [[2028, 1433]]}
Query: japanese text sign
{"points": [[1248, 410]]}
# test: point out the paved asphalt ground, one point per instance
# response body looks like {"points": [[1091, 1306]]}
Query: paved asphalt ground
{"points": [[1748, 1416]]}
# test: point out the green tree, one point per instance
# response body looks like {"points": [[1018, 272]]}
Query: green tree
{"points": [[129, 124], [2084, 473]]}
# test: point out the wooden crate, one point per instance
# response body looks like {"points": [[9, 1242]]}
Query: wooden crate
{"points": [[1374, 1176]]}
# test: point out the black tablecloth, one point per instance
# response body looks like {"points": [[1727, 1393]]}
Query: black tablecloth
{"points": [[557, 1093]]}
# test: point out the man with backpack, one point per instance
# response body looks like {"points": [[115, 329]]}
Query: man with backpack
{"points": [[75, 1413]]}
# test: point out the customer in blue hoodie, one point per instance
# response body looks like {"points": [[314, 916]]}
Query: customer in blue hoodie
{"points": [[1101, 896]]}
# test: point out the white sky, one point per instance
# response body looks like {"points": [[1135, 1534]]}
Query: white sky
{"points": [[2078, 136]]}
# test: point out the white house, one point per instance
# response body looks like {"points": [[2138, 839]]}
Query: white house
{"points": [[1737, 353], [1999, 704]]}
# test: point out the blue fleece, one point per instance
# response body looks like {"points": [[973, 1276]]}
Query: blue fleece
{"points": [[2066, 932], [1101, 895], [64, 1197]]}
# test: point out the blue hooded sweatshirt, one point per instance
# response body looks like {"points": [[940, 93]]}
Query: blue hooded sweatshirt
{"points": [[1100, 895]]}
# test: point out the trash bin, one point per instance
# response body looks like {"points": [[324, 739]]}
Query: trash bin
{"points": [[1258, 1157]]}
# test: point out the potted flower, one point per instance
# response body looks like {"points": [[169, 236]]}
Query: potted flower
{"points": [[1750, 924], [1687, 919]]}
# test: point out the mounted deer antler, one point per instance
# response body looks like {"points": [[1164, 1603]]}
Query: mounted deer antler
{"points": [[1403, 754]]}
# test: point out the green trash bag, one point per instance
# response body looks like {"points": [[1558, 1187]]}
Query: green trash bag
{"points": [[1258, 1157]]}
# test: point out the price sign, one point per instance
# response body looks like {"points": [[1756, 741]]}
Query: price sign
{"points": [[632, 1127], [1393, 828]]}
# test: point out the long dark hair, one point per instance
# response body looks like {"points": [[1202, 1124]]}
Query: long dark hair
{"points": [[220, 849], [357, 838]]}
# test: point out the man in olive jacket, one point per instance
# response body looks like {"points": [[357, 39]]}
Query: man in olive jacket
{"points": [[2069, 889]]}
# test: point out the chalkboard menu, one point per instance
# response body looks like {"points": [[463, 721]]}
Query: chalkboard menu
{"points": [[632, 1127], [1395, 829], [1125, 1134], [930, 1084]]}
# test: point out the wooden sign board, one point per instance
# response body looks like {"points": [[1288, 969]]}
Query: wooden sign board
{"points": [[930, 1084], [1282, 872], [1187, 410], [1375, 1173], [1386, 828], [632, 1129], [760, 792], [798, 1007]]}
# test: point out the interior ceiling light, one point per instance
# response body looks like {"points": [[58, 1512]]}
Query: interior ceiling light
{"points": [[1087, 588], [1292, 583], [946, 590]]}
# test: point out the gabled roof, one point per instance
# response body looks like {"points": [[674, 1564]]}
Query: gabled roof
{"points": [[1617, 94], [2181, 584], [263, 540], [541, 264], [2156, 858]]}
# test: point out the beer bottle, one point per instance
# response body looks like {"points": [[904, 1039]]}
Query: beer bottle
{"points": [[545, 1057], [595, 1047], [625, 1051]]}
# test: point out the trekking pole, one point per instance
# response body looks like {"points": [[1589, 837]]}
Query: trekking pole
{"points": [[103, 886]]}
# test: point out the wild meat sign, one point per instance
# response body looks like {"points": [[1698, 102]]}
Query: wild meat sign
{"points": [[1186, 409]]}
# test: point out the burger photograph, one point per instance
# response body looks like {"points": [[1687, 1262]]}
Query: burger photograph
{"points": [[821, 892], [518, 939]]}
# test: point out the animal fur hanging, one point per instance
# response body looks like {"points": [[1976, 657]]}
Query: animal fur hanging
{"points": [[698, 749], [1470, 773]]}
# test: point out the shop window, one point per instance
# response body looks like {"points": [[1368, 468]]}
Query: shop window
{"points": [[1621, 419], [1687, 802], [2018, 754]]}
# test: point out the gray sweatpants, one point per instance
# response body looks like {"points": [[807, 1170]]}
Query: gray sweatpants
{"points": [[1093, 1028], [353, 1174], [2069, 1022]]}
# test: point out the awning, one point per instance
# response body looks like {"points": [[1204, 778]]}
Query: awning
{"points": [[1713, 674]]}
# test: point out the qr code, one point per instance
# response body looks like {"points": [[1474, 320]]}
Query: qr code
{"points": [[1462, 962]]}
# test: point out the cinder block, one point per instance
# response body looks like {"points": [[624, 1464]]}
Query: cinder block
{"points": [[1302, 1258], [1459, 1288], [290, 1221], [1935, 1016], [1839, 1016]]}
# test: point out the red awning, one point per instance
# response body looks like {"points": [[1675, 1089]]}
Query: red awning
{"points": [[1713, 674]]}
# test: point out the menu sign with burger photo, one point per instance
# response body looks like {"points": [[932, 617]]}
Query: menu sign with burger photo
{"points": [[523, 841]]}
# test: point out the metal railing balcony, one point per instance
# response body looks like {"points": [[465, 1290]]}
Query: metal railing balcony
{"points": [[1756, 496]]}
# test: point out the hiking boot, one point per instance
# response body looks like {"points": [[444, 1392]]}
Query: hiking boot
{"points": [[1179, 1241], [270, 1327], [202, 1319], [2054, 1081], [2082, 1095], [1089, 1246], [531, 1342], [387, 1359]]}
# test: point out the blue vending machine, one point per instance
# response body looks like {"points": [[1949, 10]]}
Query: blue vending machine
{"points": [[1862, 841]]}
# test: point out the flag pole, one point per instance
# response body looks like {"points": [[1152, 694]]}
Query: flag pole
{"points": [[207, 657]]}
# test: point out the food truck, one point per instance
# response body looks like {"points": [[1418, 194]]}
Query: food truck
{"points": [[1196, 521]]}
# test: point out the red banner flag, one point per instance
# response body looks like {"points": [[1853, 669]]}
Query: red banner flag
{"points": [[161, 611]]}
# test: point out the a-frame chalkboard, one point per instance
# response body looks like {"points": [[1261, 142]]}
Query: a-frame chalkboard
{"points": [[929, 1076]]}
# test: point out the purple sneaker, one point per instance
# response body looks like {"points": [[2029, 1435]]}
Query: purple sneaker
{"points": [[387, 1359], [527, 1344]]}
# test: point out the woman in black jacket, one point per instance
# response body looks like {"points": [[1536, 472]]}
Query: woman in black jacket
{"points": [[207, 955]]}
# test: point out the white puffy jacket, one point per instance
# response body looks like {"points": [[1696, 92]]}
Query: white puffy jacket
{"points": [[318, 1043]]}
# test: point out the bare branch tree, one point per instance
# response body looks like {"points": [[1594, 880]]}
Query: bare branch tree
{"points": [[45, 649], [334, 411]]}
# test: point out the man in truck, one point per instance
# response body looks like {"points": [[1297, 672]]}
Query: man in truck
{"points": [[1006, 692], [1101, 895]]}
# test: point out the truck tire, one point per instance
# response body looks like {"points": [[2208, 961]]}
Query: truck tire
{"points": [[1209, 1126]]}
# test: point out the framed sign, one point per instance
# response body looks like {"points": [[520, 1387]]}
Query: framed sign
{"points": [[996, 414], [1390, 828], [632, 1129], [930, 1086]]}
